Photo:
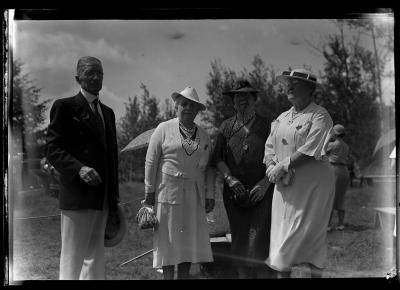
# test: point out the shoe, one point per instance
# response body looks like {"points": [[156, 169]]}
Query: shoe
{"points": [[340, 228]]}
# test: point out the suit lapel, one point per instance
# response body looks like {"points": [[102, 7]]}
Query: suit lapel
{"points": [[87, 117], [107, 121]]}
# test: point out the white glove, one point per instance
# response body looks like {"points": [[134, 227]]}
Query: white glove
{"points": [[276, 172]]}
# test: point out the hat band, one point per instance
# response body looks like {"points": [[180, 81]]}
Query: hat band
{"points": [[299, 74]]}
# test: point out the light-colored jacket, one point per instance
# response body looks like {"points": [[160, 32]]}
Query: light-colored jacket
{"points": [[168, 166]]}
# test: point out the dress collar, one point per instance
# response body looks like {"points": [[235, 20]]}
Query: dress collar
{"points": [[310, 105]]}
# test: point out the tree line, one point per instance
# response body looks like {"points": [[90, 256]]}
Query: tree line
{"points": [[350, 90]]}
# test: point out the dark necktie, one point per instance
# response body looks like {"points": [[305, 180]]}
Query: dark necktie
{"points": [[98, 119]]}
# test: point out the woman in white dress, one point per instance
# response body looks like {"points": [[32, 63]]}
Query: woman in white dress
{"points": [[304, 179], [175, 177]]}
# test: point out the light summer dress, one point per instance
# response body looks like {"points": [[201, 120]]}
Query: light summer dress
{"points": [[301, 210]]}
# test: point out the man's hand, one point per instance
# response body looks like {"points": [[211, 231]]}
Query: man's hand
{"points": [[210, 203], [90, 176]]}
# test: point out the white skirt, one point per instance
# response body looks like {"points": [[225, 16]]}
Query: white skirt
{"points": [[183, 233]]}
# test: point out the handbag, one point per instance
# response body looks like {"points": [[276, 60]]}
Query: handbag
{"points": [[146, 218]]}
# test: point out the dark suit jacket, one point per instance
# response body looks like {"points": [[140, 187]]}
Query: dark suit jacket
{"points": [[73, 141]]}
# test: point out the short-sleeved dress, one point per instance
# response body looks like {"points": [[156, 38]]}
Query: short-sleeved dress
{"points": [[338, 152], [301, 210], [243, 153]]}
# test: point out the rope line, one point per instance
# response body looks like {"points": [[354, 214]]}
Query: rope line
{"points": [[54, 215], [36, 217], [137, 199]]}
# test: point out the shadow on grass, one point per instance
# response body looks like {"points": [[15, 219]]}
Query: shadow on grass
{"points": [[358, 228]]}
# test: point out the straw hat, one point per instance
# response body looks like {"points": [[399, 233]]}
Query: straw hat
{"points": [[115, 228], [190, 94], [299, 74]]}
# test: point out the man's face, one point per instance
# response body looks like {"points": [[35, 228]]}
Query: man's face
{"points": [[91, 78]]}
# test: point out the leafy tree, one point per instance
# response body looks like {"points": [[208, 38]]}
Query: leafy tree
{"points": [[27, 114], [139, 117], [350, 96], [169, 111], [352, 81], [271, 101]]}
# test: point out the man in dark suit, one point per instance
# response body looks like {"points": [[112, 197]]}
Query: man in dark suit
{"points": [[82, 146]]}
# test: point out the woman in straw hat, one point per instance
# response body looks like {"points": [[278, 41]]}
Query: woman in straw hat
{"points": [[238, 155], [295, 156], [338, 153], [175, 177]]}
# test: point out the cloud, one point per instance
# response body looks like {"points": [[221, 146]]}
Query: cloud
{"points": [[176, 35], [57, 51]]}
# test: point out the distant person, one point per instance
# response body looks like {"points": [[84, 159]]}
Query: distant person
{"points": [[247, 193], [82, 146], [338, 153], [175, 182], [354, 170], [295, 156]]}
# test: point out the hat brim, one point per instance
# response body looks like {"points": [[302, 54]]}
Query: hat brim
{"points": [[284, 79], [244, 91], [117, 238], [175, 95]]}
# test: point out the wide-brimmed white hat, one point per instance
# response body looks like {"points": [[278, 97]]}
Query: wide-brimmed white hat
{"points": [[190, 94], [115, 228], [300, 74]]}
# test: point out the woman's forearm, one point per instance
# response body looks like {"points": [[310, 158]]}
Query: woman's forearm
{"points": [[297, 159], [223, 168]]}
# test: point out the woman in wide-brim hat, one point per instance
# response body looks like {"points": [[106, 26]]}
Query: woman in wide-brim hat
{"points": [[296, 161], [238, 155], [176, 184], [338, 153]]}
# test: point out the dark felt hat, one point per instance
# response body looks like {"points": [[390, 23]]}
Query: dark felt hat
{"points": [[115, 228], [242, 87]]}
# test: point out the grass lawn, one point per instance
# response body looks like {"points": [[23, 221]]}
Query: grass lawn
{"points": [[361, 250]]}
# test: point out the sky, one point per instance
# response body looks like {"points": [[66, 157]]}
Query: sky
{"points": [[165, 55]]}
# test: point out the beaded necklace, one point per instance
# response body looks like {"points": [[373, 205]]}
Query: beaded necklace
{"points": [[189, 141]]}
